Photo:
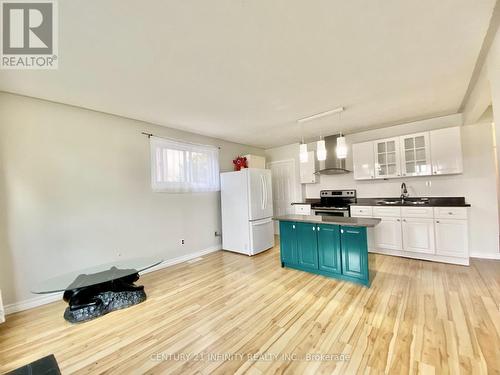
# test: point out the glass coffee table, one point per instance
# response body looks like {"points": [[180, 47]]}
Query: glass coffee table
{"points": [[98, 290]]}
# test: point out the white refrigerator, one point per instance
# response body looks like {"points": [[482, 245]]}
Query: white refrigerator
{"points": [[247, 210]]}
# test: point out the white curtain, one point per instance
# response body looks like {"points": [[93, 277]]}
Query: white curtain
{"points": [[2, 314], [179, 167]]}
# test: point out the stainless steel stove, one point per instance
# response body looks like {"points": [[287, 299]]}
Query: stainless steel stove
{"points": [[334, 202]]}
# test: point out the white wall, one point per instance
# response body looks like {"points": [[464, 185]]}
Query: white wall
{"points": [[479, 99], [486, 92], [477, 184], [75, 192], [493, 67]]}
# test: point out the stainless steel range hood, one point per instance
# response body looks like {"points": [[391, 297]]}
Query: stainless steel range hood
{"points": [[332, 165]]}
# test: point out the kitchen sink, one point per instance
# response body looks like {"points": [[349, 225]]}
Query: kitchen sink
{"points": [[416, 203], [387, 203], [394, 202]]}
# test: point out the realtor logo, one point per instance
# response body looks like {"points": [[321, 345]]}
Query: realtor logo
{"points": [[29, 34]]}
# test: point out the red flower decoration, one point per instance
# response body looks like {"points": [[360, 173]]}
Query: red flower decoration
{"points": [[240, 162]]}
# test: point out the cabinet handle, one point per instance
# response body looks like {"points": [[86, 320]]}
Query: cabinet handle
{"points": [[437, 221], [398, 220], [404, 220], [341, 231], [293, 226], [450, 213], [318, 229], [352, 231], [314, 228]]}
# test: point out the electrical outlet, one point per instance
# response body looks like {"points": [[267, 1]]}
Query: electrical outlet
{"points": [[217, 234], [182, 242]]}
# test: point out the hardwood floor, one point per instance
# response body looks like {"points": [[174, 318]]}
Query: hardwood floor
{"points": [[417, 317]]}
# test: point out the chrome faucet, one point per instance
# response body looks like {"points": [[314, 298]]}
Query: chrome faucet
{"points": [[404, 192]]}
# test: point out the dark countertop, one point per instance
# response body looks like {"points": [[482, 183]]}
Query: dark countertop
{"points": [[333, 220], [308, 201], [430, 202]]}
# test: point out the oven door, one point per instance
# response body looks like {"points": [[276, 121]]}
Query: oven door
{"points": [[323, 212]]}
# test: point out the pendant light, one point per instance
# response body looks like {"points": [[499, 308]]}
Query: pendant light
{"points": [[321, 149], [303, 155], [320, 145], [341, 147]]}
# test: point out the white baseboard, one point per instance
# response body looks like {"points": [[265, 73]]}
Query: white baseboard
{"points": [[49, 298], [32, 302], [421, 256], [485, 256], [2, 312], [183, 258]]}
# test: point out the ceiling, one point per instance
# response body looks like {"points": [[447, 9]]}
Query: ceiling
{"points": [[245, 70]]}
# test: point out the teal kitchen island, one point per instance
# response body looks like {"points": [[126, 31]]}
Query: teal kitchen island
{"points": [[326, 245]]}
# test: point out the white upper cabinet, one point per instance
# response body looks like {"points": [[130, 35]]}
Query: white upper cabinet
{"points": [[387, 158], [415, 155], [363, 163], [446, 151], [308, 170], [421, 154]]}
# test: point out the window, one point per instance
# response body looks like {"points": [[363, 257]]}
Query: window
{"points": [[183, 167]]}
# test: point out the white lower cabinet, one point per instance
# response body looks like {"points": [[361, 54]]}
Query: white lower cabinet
{"points": [[302, 209], [439, 234], [418, 235], [451, 237], [387, 234], [361, 211]]}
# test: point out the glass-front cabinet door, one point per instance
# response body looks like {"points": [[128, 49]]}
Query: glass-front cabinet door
{"points": [[387, 158], [415, 155]]}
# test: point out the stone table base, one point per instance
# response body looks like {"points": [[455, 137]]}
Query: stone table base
{"points": [[90, 302]]}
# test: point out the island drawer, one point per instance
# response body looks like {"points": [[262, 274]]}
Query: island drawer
{"points": [[450, 212], [361, 211]]}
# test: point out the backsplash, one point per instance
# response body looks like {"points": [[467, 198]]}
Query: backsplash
{"points": [[417, 186]]}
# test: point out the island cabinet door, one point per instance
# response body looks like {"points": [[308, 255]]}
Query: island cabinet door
{"points": [[307, 245], [354, 252], [288, 242], [329, 248]]}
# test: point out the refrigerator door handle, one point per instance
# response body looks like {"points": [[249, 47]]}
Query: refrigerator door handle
{"points": [[262, 222], [262, 197], [265, 191]]}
